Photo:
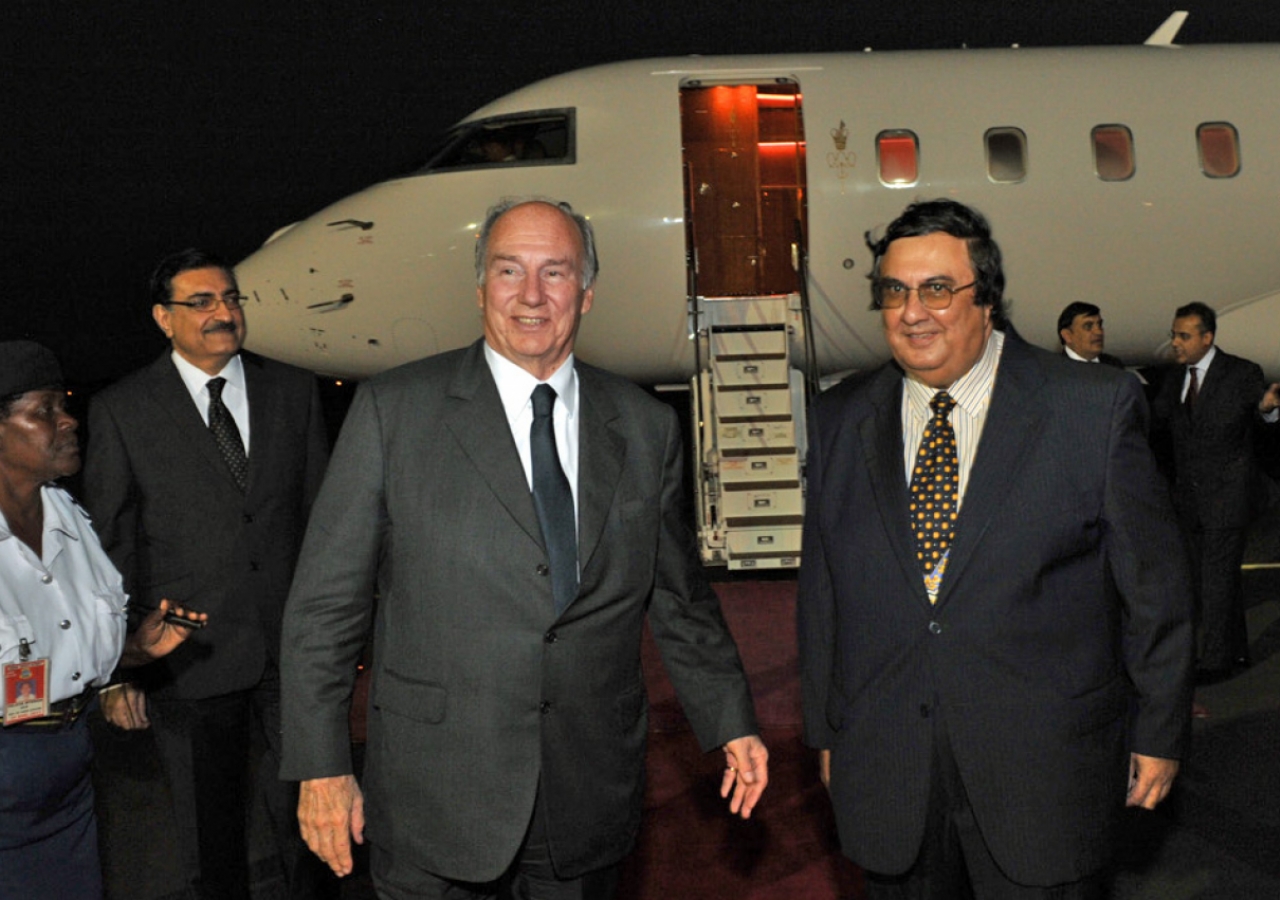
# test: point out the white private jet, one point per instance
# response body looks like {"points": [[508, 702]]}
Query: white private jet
{"points": [[731, 198]]}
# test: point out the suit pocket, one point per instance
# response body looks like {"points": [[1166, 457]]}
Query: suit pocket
{"points": [[1100, 708], [421, 701]]}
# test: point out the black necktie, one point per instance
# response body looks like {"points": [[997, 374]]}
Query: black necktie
{"points": [[226, 434], [554, 500], [1193, 390], [935, 492]]}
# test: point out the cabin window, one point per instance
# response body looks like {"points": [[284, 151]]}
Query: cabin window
{"points": [[1113, 152], [898, 155], [545, 137], [1219, 144], [1006, 155]]}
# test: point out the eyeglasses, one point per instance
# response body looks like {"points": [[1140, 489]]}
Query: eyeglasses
{"points": [[886, 293], [208, 302]]}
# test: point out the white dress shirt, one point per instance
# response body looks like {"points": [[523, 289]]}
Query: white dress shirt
{"points": [[235, 396], [972, 393], [515, 387], [1202, 367], [68, 605]]}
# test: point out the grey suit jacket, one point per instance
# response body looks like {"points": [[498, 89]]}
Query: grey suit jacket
{"points": [[173, 521], [481, 695], [1061, 638]]}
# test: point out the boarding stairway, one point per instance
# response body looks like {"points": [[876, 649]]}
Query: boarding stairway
{"points": [[749, 430]]}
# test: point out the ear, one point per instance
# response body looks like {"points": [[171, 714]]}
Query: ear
{"points": [[584, 305], [160, 313], [1062, 335]]}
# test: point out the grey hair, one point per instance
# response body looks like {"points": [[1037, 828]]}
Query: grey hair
{"points": [[590, 264]]}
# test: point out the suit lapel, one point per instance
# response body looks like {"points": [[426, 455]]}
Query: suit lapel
{"points": [[602, 451], [881, 439], [1013, 420], [478, 422], [262, 403], [170, 393]]}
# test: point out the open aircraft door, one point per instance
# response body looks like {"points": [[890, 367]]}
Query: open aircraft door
{"points": [[744, 167]]}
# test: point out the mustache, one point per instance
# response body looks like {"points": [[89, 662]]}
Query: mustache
{"points": [[220, 326]]}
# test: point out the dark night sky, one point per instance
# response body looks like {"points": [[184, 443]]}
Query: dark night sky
{"points": [[131, 129]]}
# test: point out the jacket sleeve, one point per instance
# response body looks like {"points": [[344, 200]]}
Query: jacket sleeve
{"points": [[1149, 564], [330, 603], [697, 648]]}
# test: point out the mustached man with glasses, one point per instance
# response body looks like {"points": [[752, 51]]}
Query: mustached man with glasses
{"points": [[200, 473], [994, 608]]}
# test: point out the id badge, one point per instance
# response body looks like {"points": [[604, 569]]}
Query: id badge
{"points": [[26, 690]]}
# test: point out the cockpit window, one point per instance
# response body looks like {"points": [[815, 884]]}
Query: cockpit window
{"points": [[541, 138]]}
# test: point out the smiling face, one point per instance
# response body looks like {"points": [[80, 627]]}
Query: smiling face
{"points": [[532, 297], [206, 339], [38, 440], [936, 346]]}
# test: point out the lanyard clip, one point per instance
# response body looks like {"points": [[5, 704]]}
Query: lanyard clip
{"points": [[24, 650]]}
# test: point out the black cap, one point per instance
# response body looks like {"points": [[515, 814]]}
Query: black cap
{"points": [[27, 366]]}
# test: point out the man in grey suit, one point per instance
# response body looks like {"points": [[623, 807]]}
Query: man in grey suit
{"points": [[515, 551], [200, 471], [994, 614]]}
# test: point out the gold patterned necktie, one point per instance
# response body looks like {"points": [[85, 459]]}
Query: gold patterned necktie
{"points": [[935, 492], [226, 435]]}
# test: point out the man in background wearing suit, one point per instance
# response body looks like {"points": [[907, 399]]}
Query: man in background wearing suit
{"points": [[995, 637], [518, 513], [200, 472], [1082, 336], [1209, 410]]}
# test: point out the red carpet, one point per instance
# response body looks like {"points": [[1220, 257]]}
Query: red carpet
{"points": [[690, 847]]}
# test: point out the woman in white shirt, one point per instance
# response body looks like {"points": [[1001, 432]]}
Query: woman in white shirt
{"points": [[62, 634]]}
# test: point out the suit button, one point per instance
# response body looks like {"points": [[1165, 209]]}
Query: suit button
{"points": [[544, 707], [255, 566], [64, 624], [551, 637], [924, 710], [247, 518], [935, 627], [543, 569]]}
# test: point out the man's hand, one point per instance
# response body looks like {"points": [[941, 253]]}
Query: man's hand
{"points": [[125, 706], [746, 773], [330, 815], [155, 637], [1270, 400], [824, 768], [1150, 778]]}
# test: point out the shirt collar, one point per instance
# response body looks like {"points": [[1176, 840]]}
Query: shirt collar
{"points": [[196, 379], [55, 517], [515, 385], [1071, 354], [972, 390], [1203, 365]]}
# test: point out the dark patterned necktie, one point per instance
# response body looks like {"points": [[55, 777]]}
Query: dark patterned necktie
{"points": [[553, 500], [226, 435], [935, 492], [1193, 390]]}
